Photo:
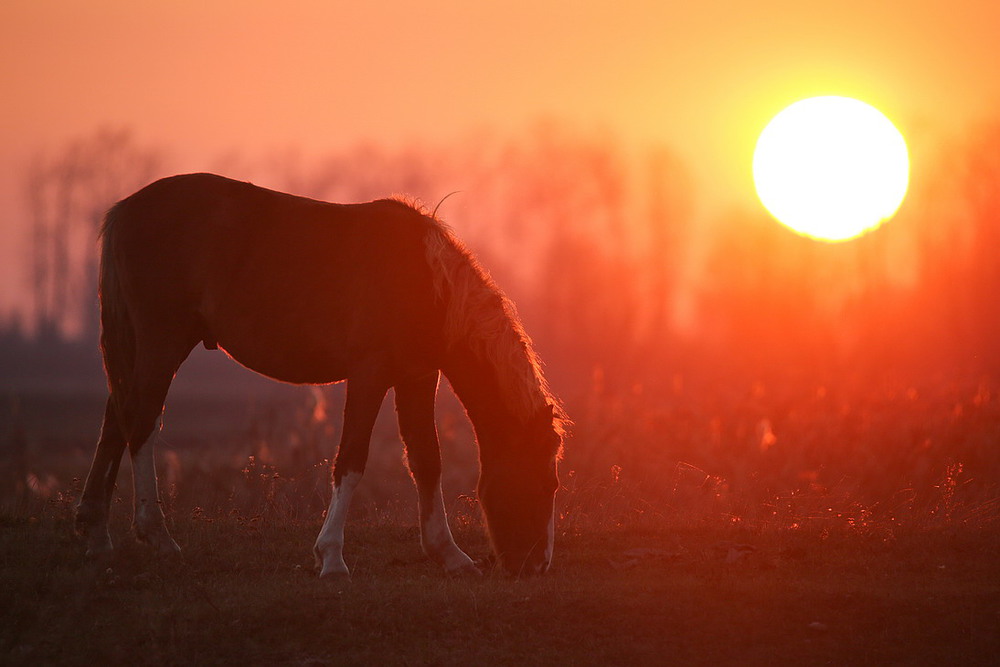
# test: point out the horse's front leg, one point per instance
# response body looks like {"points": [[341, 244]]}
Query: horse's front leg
{"points": [[415, 411], [364, 398]]}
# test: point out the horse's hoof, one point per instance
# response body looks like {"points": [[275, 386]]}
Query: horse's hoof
{"points": [[336, 577], [168, 548], [98, 542], [330, 563], [99, 550], [333, 569], [467, 571], [81, 527], [88, 519], [162, 544]]}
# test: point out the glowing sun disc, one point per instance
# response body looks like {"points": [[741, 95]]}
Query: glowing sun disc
{"points": [[831, 168]]}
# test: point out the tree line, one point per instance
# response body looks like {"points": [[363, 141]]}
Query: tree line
{"points": [[601, 249]]}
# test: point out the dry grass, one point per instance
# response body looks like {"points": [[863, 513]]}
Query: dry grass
{"points": [[244, 592], [812, 527]]}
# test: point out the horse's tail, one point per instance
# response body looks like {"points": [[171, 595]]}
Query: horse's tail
{"points": [[117, 332]]}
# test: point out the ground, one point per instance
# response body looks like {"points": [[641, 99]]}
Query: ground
{"points": [[794, 525], [245, 592]]}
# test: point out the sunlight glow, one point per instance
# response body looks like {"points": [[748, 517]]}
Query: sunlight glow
{"points": [[831, 168]]}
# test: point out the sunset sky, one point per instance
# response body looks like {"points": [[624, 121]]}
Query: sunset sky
{"points": [[205, 77]]}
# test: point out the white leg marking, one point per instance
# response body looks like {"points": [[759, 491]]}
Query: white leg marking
{"points": [[329, 548], [148, 517], [437, 540]]}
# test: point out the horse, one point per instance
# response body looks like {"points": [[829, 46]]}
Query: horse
{"points": [[378, 294]]}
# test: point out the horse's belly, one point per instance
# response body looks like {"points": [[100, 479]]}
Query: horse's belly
{"points": [[289, 365], [290, 330], [313, 354], [301, 357]]}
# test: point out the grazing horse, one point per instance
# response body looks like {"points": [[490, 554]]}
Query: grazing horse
{"points": [[309, 292]]}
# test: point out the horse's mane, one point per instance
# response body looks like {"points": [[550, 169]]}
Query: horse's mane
{"points": [[480, 316]]}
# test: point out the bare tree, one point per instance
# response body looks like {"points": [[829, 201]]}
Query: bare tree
{"points": [[67, 196]]}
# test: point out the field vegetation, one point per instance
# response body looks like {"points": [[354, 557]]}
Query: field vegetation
{"points": [[656, 562], [702, 593]]}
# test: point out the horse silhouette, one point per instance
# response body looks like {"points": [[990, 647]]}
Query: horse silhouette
{"points": [[303, 291]]}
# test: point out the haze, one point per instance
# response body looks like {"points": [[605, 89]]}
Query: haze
{"points": [[208, 77]]}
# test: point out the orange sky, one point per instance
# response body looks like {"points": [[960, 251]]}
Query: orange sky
{"points": [[204, 77]]}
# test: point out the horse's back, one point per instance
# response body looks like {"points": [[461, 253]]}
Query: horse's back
{"points": [[295, 288]]}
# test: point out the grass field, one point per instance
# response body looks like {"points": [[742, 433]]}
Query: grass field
{"points": [[244, 592], [819, 526]]}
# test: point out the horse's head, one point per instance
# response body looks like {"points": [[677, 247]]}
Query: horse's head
{"points": [[517, 490]]}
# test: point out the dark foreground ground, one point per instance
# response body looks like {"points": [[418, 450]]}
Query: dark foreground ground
{"points": [[245, 593]]}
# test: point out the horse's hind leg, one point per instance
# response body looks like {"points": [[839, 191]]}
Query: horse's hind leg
{"points": [[364, 398], [154, 371], [415, 411], [95, 503]]}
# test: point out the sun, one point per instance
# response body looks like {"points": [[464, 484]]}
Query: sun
{"points": [[831, 168]]}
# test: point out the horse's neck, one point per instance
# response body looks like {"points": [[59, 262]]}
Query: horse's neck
{"points": [[477, 386]]}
